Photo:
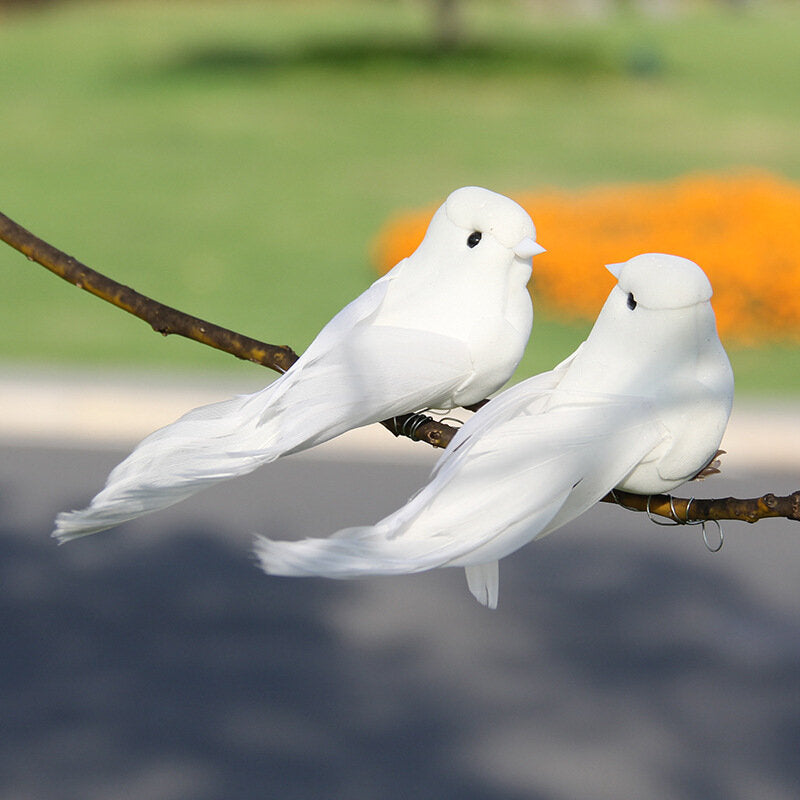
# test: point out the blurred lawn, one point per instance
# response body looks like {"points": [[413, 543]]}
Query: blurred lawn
{"points": [[236, 159]]}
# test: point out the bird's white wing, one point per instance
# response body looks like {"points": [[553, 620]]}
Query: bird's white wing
{"points": [[379, 372], [208, 444], [373, 373], [509, 482], [338, 328]]}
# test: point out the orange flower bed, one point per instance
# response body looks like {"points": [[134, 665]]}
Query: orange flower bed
{"points": [[743, 230]]}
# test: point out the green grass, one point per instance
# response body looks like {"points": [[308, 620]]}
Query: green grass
{"points": [[236, 159]]}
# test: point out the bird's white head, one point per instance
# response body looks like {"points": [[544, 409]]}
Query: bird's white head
{"points": [[468, 280], [481, 213], [657, 320], [660, 281]]}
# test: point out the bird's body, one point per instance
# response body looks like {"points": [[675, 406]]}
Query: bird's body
{"points": [[446, 326], [641, 405]]}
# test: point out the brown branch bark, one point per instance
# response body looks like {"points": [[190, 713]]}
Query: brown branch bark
{"points": [[163, 319], [698, 510], [167, 320]]}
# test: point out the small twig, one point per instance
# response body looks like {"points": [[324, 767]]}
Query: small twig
{"points": [[167, 320]]}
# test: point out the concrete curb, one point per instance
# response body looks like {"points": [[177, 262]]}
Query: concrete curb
{"points": [[114, 411]]}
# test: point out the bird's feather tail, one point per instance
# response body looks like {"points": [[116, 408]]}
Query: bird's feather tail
{"points": [[357, 552], [352, 553], [483, 581], [315, 401], [205, 446]]}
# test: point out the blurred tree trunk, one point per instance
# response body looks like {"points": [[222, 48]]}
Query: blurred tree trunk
{"points": [[447, 23]]}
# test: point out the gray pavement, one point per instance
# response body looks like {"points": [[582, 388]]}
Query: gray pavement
{"points": [[156, 662]]}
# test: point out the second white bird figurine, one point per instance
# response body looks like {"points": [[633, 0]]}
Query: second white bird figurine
{"points": [[641, 405], [445, 327]]}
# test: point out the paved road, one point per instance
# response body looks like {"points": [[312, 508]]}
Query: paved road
{"points": [[157, 663]]}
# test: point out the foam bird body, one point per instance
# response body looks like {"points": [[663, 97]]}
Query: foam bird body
{"points": [[641, 405], [445, 327]]}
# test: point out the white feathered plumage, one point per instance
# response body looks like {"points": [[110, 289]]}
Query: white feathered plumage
{"points": [[445, 327], [641, 405]]}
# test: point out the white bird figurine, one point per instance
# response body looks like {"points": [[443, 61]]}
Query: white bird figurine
{"points": [[641, 406], [445, 327]]}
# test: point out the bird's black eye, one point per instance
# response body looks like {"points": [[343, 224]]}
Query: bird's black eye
{"points": [[631, 301], [474, 238]]}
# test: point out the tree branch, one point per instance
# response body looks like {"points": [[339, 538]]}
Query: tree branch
{"points": [[161, 318], [167, 320], [696, 510]]}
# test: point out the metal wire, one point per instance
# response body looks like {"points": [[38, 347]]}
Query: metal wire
{"points": [[411, 424], [673, 514], [676, 520], [705, 536]]}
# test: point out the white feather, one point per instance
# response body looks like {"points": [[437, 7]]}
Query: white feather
{"points": [[483, 581], [445, 327]]}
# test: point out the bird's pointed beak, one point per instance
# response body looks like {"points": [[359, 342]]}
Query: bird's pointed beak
{"points": [[527, 248], [615, 269]]}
